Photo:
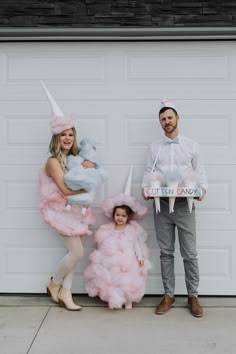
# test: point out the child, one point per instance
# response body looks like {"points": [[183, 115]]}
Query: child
{"points": [[80, 177], [118, 269]]}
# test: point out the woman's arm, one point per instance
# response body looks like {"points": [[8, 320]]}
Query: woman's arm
{"points": [[54, 170]]}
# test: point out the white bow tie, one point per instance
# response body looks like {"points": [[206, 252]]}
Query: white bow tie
{"points": [[171, 141]]}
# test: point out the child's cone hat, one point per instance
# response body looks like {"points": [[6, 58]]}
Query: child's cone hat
{"points": [[59, 122], [129, 182], [108, 205]]}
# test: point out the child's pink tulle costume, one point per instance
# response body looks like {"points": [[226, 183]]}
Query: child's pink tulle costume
{"points": [[52, 201], [114, 273]]}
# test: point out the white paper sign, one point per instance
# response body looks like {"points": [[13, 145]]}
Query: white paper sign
{"points": [[183, 192]]}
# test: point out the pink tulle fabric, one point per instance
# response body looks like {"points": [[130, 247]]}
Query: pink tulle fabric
{"points": [[190, 175], [114, 273], [139, 210], [52, 204], [154, 177], [61, 123]]}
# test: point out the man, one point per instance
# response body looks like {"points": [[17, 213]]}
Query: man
{"points": [[175, 152]]}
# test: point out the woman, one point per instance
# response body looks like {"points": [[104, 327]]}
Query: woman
{"points": [[71, 225]]}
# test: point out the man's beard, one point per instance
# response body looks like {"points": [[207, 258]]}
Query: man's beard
{"points": [[172, 130]]}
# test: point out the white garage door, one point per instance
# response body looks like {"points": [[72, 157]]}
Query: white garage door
{"points": [[114, 90]]}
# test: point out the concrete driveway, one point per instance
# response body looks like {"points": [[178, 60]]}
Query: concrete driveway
{"points": [[35, 325]]}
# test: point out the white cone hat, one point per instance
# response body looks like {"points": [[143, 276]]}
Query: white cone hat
{"points": [[157, 184], [129, 182], [55, 108], [171, 204], [173, 185], [167, 103], [190, 181], [59, 122], [190, 184]]}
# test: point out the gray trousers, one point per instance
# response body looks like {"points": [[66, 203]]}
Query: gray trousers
{"points": [[165, 226]]}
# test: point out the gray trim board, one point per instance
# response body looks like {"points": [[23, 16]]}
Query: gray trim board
{"points": [[27, 300], [117, 34]]}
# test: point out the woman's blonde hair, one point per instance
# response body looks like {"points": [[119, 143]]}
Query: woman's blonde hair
{"points": [[55, 149]]}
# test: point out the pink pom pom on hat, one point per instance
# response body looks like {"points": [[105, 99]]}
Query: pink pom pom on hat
{"points": [[167, 103], [108, 205], [59, 122]]}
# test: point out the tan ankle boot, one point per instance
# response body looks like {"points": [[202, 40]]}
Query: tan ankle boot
{"points": [[65, 300], [53, 290]]}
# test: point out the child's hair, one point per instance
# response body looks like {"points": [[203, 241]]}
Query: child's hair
{"points": [[127, 209], [55, 149]]}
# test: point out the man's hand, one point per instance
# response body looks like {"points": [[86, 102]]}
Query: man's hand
{"points": [[203, 194], [145, 193]]}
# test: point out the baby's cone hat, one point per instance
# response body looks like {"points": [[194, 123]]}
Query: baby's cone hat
{"points": [[108, 205], [59, 122]]}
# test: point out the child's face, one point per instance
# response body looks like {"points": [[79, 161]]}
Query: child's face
{"points": [[120, 217]]}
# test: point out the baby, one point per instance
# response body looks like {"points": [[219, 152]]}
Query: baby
{"points": [[79, 177]]}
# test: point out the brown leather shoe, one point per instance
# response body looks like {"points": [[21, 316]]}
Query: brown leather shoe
{"points": [[165, 305], [195, 307]]}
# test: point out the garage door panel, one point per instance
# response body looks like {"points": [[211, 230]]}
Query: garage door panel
{"points": [[81, 66], [19, 201], [18, 131], [219, 206], [28, 260], [221, 139], [220, 265], [182, 65], [22, 220], [216, 257]]}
